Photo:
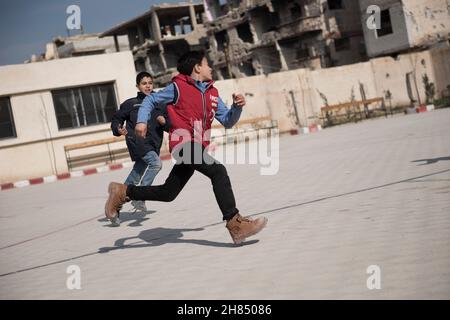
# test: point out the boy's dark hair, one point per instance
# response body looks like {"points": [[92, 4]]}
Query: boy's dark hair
{"points": [[141, 75], [187, 61]]}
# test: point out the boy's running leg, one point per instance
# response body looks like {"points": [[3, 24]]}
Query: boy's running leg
{"points": [[121, 193], [239, 227], [152, 165]]}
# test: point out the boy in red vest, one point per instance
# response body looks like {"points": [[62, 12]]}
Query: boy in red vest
{"points": [[192, 104]]}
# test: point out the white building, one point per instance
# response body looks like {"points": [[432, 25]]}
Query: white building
{"points": [[47, 105]]}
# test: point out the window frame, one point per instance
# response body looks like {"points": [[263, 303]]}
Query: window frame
{"points": [[377, 34], [11, 119], [77, 91]]}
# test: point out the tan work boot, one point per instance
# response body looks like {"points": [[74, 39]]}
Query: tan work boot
{"points": [[241, 228], [117, 197]]}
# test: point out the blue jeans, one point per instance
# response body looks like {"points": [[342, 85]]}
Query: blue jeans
{"points": [[144, 170]]}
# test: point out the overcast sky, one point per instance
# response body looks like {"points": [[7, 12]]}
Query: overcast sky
{"points": [[26, 26]]}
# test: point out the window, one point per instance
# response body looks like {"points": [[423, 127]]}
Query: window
{"points": [[7, 128], [84, 106], [244, 32], [221, 39], [386, 25], [88, 53], [335, 4], [296, 11], [342, 44]]}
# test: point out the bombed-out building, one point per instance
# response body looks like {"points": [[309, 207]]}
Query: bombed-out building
{"points": [[161, 35], [254, 37]]}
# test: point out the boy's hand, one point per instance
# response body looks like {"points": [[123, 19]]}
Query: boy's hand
{"points": [[239, 100], [123, 131], [141, 130], [161, 120]]}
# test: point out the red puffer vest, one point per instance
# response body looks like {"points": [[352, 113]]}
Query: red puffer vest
{"points": [[193, 112]]}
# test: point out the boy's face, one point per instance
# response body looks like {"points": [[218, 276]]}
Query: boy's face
{"points": [[205, 71], [146, 85]]}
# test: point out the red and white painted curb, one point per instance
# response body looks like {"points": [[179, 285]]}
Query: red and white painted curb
{"points": [[420, 109], [73, 174], [306, 130], [425, 108]]}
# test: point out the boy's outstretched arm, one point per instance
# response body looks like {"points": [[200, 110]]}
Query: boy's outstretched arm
{"points": [[163, 97], [229, 117]]}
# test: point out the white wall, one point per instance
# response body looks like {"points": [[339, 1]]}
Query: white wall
{"points": [[427, 20]]}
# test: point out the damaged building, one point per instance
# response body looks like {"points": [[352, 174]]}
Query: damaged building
{"points": [[255, 37], [406, 25], [161, 35], [80, 45]]}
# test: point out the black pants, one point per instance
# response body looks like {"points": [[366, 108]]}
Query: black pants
{"points": [[190, 158]]}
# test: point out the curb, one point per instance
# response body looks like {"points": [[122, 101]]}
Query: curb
{"points": [[425, 108], [73, 174], [306, 130]]}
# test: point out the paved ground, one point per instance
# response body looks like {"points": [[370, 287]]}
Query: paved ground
{"points": [[344, 199]]}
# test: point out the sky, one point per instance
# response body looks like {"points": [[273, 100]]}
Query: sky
{"points": [[26, 26]]}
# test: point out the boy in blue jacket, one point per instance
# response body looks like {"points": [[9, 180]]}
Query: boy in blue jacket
{"points": [[143, 151]]}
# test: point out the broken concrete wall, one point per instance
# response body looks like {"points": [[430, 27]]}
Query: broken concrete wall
{"points": [[428, 21], [441, 67]]}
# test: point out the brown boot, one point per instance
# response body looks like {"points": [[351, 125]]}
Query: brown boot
{"points": [[117, 197], [241, 228]]}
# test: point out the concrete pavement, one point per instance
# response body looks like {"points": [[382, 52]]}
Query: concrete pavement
{"points": [[346, 198]]}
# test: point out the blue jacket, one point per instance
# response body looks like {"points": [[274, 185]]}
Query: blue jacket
{"points": [[138, 147]]}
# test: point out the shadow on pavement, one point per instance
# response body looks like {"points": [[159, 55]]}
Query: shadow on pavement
{"points": [[136, 217], [159, 236], [431, 161]]}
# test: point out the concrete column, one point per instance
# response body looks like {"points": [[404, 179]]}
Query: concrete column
{"points": [[150, 29], [156, 26], [161, 55], [193, 18], [148, 66], [116, 43], [284, 66], [140, 34]]}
